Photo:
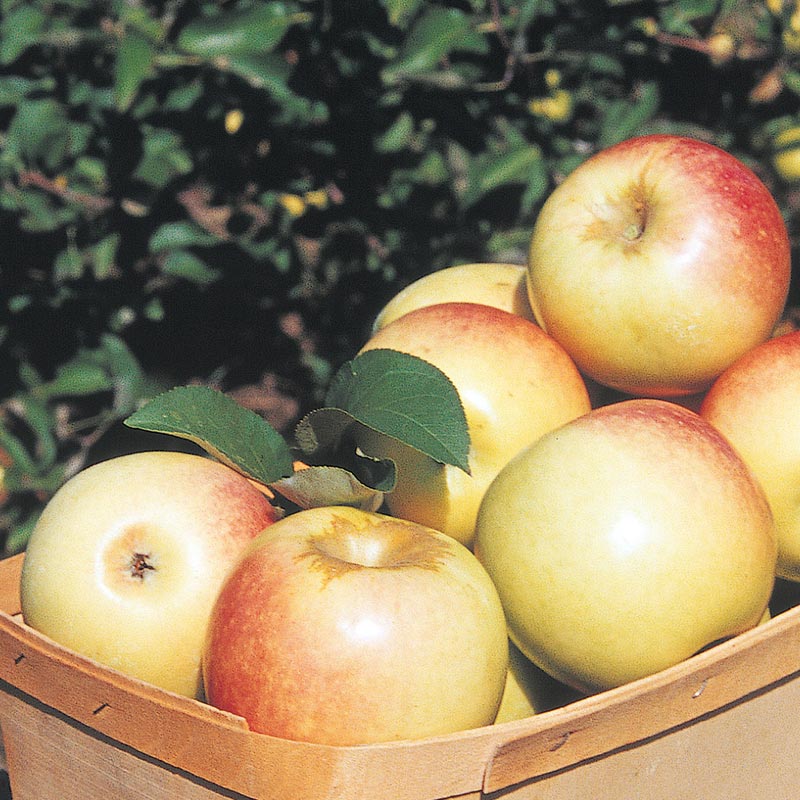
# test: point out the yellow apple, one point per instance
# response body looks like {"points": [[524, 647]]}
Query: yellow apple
{"points": [[626, 541], [755, 403], [342, 626], [657, 263], [515, 383], [494, 284], [530, 690], [128, 556]]}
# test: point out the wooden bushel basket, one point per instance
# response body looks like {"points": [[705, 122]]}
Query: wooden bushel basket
{"points": [[724, 724]]}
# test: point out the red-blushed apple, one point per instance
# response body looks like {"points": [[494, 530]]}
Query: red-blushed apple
{"points": [[494, 284], [515, 383], [657, 263], [128, 556], [626, 541], [755, 403], [342, 626]]}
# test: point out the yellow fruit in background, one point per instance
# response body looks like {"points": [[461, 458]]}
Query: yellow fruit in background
{"points": [[515, 383], [233, 121], [529, 690], [755, 403], [556, 107], [499, 285], [786, 158]]}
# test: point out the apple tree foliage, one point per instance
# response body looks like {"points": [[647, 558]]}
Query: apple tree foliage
{"points": [[393, 393], [225, 193]]}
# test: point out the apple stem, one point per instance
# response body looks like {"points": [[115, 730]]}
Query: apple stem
{"points": [[140, 565]]}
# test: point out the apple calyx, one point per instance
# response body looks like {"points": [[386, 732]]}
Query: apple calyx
{"points": [[633, 232], [635, 228], [624, 217], [140, 565], [393, 545]]}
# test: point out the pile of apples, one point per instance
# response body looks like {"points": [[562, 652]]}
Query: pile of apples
{"points": [[630, 497]]}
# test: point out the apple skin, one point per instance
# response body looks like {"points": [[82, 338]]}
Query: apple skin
{"points": [[755, 403], [625, 542], [530, 690], [515, 383], [657, 263], [186, 516], [341, 626], [499, 285]]}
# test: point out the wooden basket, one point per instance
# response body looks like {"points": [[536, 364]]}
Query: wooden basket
{"points": [[724, 724]]}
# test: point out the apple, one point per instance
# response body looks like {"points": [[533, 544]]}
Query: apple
{"points": [[626, 541], [515, 383], [494, 284], [530, 690], [127, 558], [341, 626], [755, 403], [657, 263]]}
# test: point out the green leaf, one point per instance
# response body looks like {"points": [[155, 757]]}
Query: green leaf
{"points": [[791, 80], [78, 378], [432, 170], [182, 98], [135, 55], [398, 136], [128, 377], [14, 89], [40, 214], [68, 264], [433, 36], [537, 185], [528, 10], [154, 310], [271, 73], [175, 235], [229, 432], [493, 170], [163, 158], [329, 436], [90, 170], [623, 119], [103, 256], [676, 18], [604, 64], [40, 132], [186, 265], [406, 398], [262, 71], [318, 486], [19, 29], [137, 18], [42, 426], [22, 461], [250, 31], [20, 533], [399, 11]]}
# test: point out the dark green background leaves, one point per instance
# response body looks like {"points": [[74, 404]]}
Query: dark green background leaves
{"points": [[227, 193]]}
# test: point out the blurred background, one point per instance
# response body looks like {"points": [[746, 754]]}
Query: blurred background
{"points": [[226, 193]]}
